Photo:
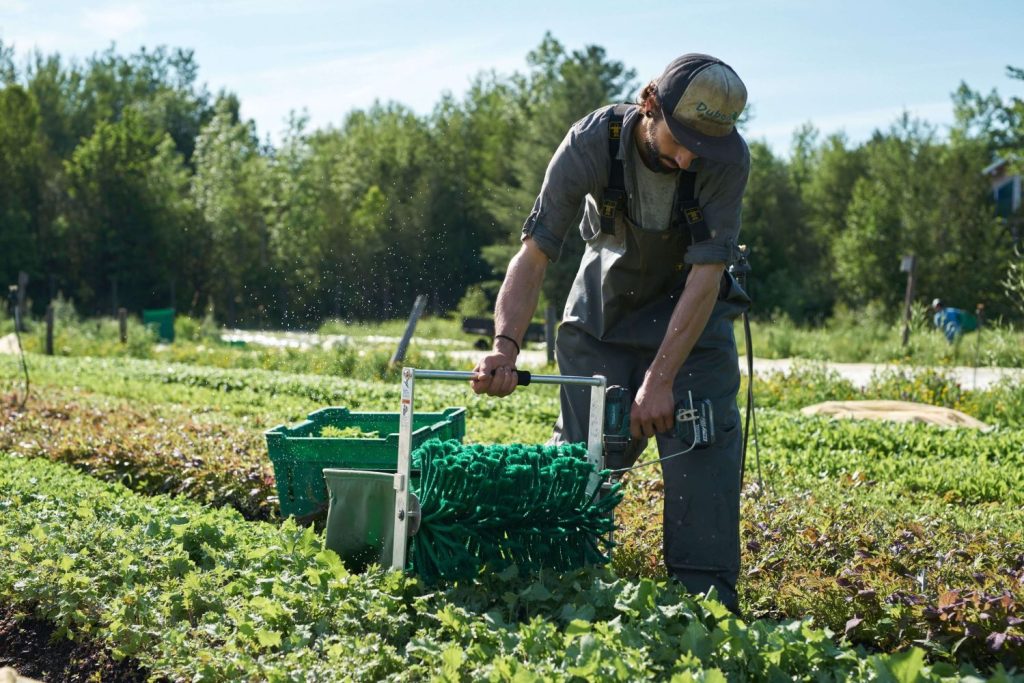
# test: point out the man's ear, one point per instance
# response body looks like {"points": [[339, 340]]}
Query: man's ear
{"points": [[650, 103]]}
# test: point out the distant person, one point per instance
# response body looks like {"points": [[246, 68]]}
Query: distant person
{"points": [[953, 322]]}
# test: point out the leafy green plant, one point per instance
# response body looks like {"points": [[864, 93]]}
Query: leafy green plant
{"points": [[332, 432], [833, 488], [1013, 284], [195, 593]]}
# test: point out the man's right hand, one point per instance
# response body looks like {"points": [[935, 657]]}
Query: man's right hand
{"points": [[495, 374]]}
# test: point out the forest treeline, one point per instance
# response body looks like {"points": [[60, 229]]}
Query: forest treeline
{"points": [[125, 182]]}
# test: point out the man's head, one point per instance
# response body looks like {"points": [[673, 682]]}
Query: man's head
{"points": [[691, 111]]}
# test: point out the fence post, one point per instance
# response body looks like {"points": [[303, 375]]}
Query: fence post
{"points": [[22, 290], [550, 320], [979, 314], [410, 327], [12, 300], [122, 323], [49, 330], [907, 266]]}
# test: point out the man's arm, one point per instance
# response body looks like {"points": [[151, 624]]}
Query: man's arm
{"points": [[654, 406], [517, 301]]}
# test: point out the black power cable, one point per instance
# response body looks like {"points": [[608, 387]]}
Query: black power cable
{"points": [[751, 413], [740, 269]]}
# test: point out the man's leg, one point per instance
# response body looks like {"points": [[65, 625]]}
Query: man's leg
{"points": [[702, 496], [578, 353]]}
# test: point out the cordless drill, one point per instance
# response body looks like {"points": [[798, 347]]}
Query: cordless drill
{"points": [[693, 423]]}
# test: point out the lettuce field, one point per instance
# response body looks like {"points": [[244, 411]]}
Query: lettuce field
{"points": [[138, 522]]}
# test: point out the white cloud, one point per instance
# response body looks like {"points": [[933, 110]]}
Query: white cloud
{"points": [[114, 21], [15, 6]]}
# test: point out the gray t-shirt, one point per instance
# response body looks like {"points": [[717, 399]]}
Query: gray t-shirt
{"points": [[655, 193], [578, 174]]}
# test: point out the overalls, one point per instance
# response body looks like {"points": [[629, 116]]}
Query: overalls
{"points": [[615, 319]]}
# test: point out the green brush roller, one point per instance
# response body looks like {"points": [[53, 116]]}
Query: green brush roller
{"points": [[497, 506], [449, 510]]}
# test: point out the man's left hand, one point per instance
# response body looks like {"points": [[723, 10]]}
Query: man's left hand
{"points": [[653, 409]]}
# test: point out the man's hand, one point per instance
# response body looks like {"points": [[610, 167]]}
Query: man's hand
{"points": [[653, 409], [496, 372]]}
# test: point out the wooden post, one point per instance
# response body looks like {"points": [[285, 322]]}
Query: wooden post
{"points": [[122, 323], [979, 314], [49, 330], [907, 266], [410, 327], [113, 294], [22, 289], [550, 321], [12, 299]]}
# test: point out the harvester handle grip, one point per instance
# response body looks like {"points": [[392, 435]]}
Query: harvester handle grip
{"points": [[523, 377]]}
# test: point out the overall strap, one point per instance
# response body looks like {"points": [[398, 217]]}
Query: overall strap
{"points": [[687, 214], [613, 202]]}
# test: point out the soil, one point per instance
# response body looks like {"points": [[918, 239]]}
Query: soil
{"points": [[26, 645]]}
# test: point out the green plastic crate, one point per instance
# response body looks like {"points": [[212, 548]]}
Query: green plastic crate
{"points": [[300, 454], [161, 320]]}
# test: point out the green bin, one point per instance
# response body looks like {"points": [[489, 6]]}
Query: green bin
{"points": [[162, 321], [300, 454]]}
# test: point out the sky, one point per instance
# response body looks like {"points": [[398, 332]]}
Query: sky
{"points": [[849, 66]]}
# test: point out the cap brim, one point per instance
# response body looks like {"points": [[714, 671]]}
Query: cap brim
{"points": [[727, 149]]}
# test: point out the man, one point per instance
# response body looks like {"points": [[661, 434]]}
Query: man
{"points": [[953, 322], [651, 308]]}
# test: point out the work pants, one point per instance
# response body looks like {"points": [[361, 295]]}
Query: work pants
{"points": [[702, 488]]}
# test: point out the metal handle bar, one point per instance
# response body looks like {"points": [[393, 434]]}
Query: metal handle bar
{"points": [[525, 378]]}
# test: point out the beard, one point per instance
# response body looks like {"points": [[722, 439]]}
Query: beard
{"points": [[651, 155]]}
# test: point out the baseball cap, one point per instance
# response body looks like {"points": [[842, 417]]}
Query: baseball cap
{"points": [[702, 97]]}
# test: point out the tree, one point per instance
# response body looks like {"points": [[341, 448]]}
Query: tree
{"points": [[559, 89], [997, 123], [122, 170], [230, 189], [784, 254], [825, 176], [121, 228], [928, 198], [8, 74], [469, 143], [22, 179]]}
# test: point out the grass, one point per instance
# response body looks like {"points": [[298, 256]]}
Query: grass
{"points": [[868, 337], [876, 525], [861, 336]]}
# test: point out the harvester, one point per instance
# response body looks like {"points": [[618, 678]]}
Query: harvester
{"points": [[434, 506]]}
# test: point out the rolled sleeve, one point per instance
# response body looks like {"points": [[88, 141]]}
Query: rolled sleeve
{"points": [[721, 199], [571, 175], [536, 228]]}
